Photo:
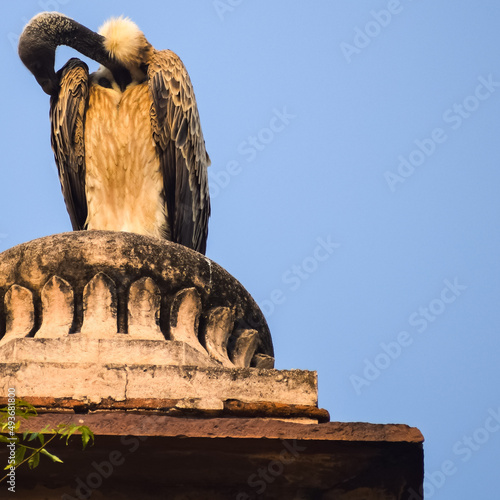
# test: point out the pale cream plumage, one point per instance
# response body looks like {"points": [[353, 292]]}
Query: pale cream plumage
{"points": [[124, 40], [119, 195]]}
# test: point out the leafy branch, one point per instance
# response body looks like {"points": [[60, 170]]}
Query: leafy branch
{"points": [[24, 410]]}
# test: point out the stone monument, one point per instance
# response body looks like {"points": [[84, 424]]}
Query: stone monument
{"points": [[168, 359], [95, 318]]}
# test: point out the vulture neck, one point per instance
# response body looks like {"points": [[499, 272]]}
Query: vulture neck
{"points": [[46, 31]]}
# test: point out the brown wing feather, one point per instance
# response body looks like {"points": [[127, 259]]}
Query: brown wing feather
{"points": [[181, 149], [67, 117]]}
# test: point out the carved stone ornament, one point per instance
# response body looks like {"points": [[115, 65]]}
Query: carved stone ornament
{"points": [[107, 285]]}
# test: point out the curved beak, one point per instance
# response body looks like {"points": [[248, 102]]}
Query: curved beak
{"points": [[49, 83]]}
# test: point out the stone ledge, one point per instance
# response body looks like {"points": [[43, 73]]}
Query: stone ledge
{"points": [[209, 387], [117, 424], [181, 408], [75, 349], [159, 457]]}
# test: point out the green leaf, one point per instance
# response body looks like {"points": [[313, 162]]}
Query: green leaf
{"points": [[25, 410], [19, 455], [34, 460], [71, 431], [33, 436], [63, 428], [87, 435], [52, 457]]}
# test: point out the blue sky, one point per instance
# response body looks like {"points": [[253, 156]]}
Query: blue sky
{"points": [[355, 175]]}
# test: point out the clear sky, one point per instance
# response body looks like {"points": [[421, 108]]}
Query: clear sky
{"points": [[355, 174]]}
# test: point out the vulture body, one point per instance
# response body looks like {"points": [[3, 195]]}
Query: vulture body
{"points": [[127, 139]]}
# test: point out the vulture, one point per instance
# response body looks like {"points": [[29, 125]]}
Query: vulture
{"points": [[127, 138]]}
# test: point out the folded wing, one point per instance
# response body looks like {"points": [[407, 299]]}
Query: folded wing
{"points": [[67, 116], [181, 149]]}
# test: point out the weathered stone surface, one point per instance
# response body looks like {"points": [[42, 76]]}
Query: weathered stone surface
{"points": [[58, 309], [96, 376], [245, 342], [81, 381], [19, 313], [218, 328], [263, 361], [144, 310], [99, 308], [116, 424], [117, 280], [243, 384], [222, 459], [77, 349], [185, 318], [199, 408]]}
